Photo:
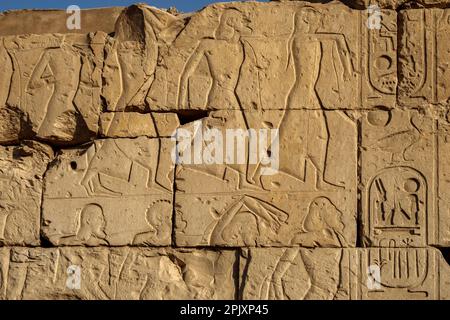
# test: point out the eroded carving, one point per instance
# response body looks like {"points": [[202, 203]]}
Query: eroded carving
{"points": [[293, 273], [21, 173], [397, 170], [423, 56], [56, 84], [346, 139], [84, 202], [237, 205], [120, 273]]}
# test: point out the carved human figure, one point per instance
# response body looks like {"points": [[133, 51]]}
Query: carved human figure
{"points": [[306, 47], [138, 32], [322, 227], [91, 230], [155, 217], [132, 162], [240, 221], [60, 69], [227, 45], [138, 35], [399, 204]]}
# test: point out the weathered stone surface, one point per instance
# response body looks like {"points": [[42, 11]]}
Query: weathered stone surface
{"points": [[387, 4], [178, 60], [423, 57], [326, 274], [309, 200], [55, 21], [11, 121], [132, 56], [114, 192], [441, 217], [21, 174], [398, 176], [404, 179], [276, 150], [133, 124], [55, 84], [116, 273]]}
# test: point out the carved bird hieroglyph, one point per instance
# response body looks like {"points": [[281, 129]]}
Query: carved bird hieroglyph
{"points": [[398, 143]]}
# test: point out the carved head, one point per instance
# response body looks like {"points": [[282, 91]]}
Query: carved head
{"points": [[231, 22], [156, 215], [323, 214], [308, 19], [93, 220]]}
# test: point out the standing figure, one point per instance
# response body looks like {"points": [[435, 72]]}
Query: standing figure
{"points": [[225, 56], [308, 48], [60, 69]]}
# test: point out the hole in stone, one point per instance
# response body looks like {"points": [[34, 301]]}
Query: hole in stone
{"points": [[73, 165], [45, 242], [446, 254], [186, 116]]}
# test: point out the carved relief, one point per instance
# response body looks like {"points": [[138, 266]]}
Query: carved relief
{"points": [[398, 157], [84, 199], [227, 43], [130, 66], [308, 47], [409, 273], [292, 273], [379, 54], [133, 124], [416, 76], [267, 67], [10, 118], [236, 204], [423, 56], [121, 273], [398, 207], [301, 147], [21, 174], [295, 274], [5, 77], [56, 84]]}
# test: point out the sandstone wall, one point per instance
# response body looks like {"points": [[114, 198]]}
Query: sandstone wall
{"points": [[357, 208]]}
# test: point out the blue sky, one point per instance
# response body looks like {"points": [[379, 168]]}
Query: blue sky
{"points": [[182, 5]]}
